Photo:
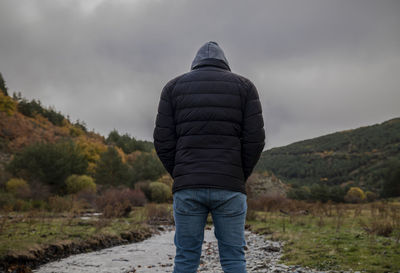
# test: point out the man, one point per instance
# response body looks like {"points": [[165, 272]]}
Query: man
{"points": [[209, 135]]}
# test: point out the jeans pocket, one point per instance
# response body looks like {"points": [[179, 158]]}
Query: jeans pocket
{"points": [[231, 203], [185, 202]]}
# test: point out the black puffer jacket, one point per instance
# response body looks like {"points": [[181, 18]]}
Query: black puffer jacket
{"points": [[209, 127]]}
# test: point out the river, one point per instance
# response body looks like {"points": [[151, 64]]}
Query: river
{"points": [[156, 254]]}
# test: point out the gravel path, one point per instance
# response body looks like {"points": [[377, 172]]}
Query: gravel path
{"points": [[157, 253]]}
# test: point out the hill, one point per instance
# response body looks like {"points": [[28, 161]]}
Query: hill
{"points": [[359, 157], [42, 146]]}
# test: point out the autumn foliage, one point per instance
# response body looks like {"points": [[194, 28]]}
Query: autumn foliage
{"points": [[355, 195], [7, 104], [49, 158]]}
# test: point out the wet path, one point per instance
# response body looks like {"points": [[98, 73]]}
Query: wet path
{"points": [[156, 255]]}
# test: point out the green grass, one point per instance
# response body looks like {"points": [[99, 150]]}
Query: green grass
{"points": [[30, 230], [323, 244]]}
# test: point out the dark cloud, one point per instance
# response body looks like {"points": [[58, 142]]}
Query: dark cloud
{"points": [[319, 65]]}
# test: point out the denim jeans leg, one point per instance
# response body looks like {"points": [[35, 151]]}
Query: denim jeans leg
{"points": [[190, 214], [229, 216]]}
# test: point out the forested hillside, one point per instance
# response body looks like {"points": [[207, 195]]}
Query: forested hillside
{"points": [[364, 157], [40, 149]]}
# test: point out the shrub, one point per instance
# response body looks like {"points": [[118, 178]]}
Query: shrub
{"points": [[355, 195], [268, 203], [39, 204], [115, 196], [7, 201], [77, 183], [158, 214], [18, 187], [167, 180], [381, 227], [22, 205], [160, 192], [75, 131], [87, 198], [60, 204], [251, 215], [371, 196], [39, 190], [144, 186], [120, 209]]}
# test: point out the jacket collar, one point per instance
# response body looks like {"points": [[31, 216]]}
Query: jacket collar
{"points": [[212, 62]]}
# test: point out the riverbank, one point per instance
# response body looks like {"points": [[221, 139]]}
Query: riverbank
{"points": [[156, 254], [324, 237], [34, 257], [28, 241]]}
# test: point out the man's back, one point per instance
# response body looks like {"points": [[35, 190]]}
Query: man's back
{"points": [[209, 129], [209, 135]]}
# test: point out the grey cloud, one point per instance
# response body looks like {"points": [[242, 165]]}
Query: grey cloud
{"points": [[319, 65]]}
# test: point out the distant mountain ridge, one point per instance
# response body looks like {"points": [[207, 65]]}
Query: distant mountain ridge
{"points": [[360, 156]]}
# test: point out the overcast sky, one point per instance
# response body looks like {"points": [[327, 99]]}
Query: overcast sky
{"points": [[319, 66]]}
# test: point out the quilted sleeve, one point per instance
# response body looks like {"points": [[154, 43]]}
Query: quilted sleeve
{"points": [[164, 132], [253, 133]]}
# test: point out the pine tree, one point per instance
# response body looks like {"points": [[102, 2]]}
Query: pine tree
{"points": [[111, 170], [391, 186], [3, 86]]}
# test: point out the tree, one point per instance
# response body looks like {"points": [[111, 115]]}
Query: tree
{"points": [[50, 163], [34, 107], [319, 192], [3, 86], [92, 150], [167, 180], [7, 104], [110, 169], [147, 166], [127, 143], [337, 193], [391, 186]]}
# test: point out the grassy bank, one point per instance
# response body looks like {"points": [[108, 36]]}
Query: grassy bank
{"points": [[27, 238], [362, 237]]}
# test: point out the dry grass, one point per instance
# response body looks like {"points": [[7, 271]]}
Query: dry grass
{"points": [[159, 214], [329, 236]]}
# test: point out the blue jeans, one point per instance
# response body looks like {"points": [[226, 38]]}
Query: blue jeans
{"points": [[228, 210]]}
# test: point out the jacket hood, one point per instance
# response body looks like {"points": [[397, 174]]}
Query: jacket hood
{"points": [[210, 54]]}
